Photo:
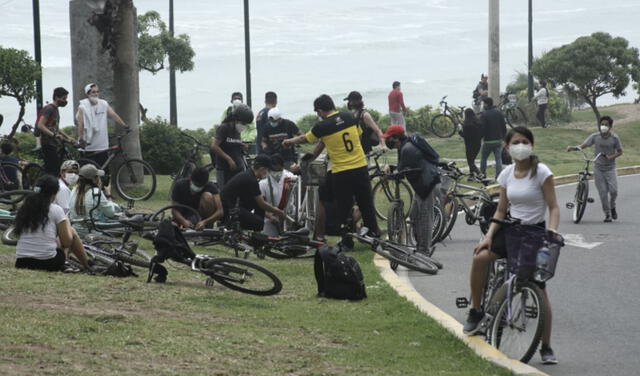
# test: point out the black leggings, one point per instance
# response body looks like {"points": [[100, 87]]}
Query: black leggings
{"points": [[54, 264], [472, 148], [540, 114], [349, 184]]}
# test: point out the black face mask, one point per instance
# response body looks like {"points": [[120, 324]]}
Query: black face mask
{"points": [[62, 103], [390, 144]]}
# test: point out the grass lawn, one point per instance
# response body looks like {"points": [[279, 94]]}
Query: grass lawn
{"points": [[54, 323]]}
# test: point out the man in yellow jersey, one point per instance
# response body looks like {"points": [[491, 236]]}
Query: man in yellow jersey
{"points": [[340, 133]]}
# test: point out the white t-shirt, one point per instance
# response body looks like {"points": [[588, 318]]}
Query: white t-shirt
{"points": [[542, 96], [95, 124], [525, 195], [41, 244], [63, 196], [273, 195]]}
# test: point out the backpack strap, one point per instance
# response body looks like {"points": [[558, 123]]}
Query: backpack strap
{"points": [[318, 269]]}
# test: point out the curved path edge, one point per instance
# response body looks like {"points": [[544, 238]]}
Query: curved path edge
{"points": [[475, 343]]}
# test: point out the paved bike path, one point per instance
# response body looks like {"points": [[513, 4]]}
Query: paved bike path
{"points": [[594, 294]]}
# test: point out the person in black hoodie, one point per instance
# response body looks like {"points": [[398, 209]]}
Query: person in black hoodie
{"points": [[494, 127], [472, 134]]}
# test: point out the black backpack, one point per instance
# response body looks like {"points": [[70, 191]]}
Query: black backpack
{"points": [[429, 152], [338, 276], [169, 244]]}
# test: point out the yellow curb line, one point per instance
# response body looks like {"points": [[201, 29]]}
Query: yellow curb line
{"points": [[476, 343]]}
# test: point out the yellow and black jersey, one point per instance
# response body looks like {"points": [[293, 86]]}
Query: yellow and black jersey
{"points": [[340, 134]]}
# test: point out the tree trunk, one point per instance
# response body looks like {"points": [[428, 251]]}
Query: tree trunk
{"points": [[592, 104], [17, 123]]}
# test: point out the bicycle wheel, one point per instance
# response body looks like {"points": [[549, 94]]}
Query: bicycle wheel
{"points": [[383, 192], [30, 174], [135, 180], [450, 215], [438, 225], [396, 227], [184, 172], [242, 275], [290, 251], [311, 208], [9, 236], [515, 117], [582, 194], [292, 221], [406, 257], [518, 333], [443, 126], [110, 249]]}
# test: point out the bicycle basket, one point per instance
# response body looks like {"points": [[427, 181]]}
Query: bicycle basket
{"points": [[523, 243], [547, 257], [314, 172]]}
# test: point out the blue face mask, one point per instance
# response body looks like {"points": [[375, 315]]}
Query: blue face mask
{"points": [[274, 123], [196, 189]]}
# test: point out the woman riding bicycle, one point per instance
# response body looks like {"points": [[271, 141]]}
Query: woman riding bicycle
{"points": [[526, 190], [87, 195]]}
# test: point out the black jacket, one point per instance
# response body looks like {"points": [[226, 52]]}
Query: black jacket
{"points": [[423, 181], [493, 124]]}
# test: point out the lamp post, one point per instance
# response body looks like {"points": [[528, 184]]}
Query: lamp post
{"points": [[530, 62], [247, 51], [494, 48], [173, 105], [38, 52]]}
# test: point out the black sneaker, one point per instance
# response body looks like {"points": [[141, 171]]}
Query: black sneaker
{"points": [[474, 319], [614, 213], [547, 355], [607, 218]]}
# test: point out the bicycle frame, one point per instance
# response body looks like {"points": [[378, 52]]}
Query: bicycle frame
{"points": [[474, 194]]}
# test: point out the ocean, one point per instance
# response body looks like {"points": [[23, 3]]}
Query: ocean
{"points": [[301, 49]]}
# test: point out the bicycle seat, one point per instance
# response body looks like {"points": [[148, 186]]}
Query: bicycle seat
{"points": [[301, 232], [136, 221]]}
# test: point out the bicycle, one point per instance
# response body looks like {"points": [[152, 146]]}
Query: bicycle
{"points": [[384, 189], [581, 198], [446, 124], [514, 115], [192, 161], [516, 310], [454, 199], [302, 204], [398, 254]]}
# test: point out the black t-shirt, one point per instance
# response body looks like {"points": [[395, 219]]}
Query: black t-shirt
{"points": [[243, 186], [182, 194], [230, 143], [51, 117], [262, 122], [275, 135]]}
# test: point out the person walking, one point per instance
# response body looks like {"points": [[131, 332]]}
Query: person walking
{"points": [[49, 128], [340, 133], [472, 135], [397, 109], [262, 119], [423, 182], [227, 147], [480, 93], [608, 147], [371, 133], [542, 98], [527, 190], [494, 128]]}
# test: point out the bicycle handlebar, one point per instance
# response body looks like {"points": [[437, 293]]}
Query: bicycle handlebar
{"points": [[193, 139]]}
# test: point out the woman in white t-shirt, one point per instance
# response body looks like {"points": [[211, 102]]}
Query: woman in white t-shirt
{"points": [[526, 190], [44, 230]]}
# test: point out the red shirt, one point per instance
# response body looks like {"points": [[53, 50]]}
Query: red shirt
{"points": [[396, 101]]}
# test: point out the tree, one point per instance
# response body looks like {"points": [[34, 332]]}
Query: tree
{"points": [[18, 74], [591, 67], [157, 47]]}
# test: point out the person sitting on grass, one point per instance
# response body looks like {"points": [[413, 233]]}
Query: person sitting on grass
{"points": [[200, 194], [44, 231], [88, 199], [276, 191], [68, 177]]}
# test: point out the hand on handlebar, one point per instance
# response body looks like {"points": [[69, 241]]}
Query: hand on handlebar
{"points": [[572, 148]]}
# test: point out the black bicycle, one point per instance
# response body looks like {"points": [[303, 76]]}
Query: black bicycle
{"points": [[192, 161], [449, 121], [385, 189], [581, 198], [514, 115]]}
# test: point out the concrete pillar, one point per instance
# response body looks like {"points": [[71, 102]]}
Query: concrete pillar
{"points": [[494, 49]]}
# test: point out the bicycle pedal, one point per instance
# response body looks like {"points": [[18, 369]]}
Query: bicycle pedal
{"points": [[462, 302], [590, 200], [570, 205], [209, 282]]}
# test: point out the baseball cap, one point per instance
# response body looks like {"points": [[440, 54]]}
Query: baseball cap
{"points": [[394, 130], [262, 160], [90, 171], [69, 165], [353, 96], [88, 87], [275, 113]]}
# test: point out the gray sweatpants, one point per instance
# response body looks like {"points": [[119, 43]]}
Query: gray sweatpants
{"points": [[398, 118], [607, 185], [421, 215]]}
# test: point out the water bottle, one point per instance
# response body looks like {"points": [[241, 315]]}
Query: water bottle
{"points": [[542, 264]]}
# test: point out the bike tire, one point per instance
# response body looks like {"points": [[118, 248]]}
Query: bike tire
{"points": [[396, 228], [382, 198], [443, 126], [311, 201], [130, 185], [139, 258], [405, 257], [582, 194], [504, 334], [292, 222], [515, 117], [450, 215], [438, 225], [234, 273], [9, 236], [30, 174], [290, 251]]}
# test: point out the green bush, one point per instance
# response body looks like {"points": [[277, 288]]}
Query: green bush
{"points": [[164, 147]]}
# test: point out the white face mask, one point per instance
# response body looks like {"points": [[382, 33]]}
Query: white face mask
{"points": [[71, 178], [240, 127], [236, 102], [604, 129], [276, 175], [93, 100], [520, 152]]}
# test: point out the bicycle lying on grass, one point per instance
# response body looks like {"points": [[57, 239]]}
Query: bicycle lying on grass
{"points": [[581, 198], [514, 304]]}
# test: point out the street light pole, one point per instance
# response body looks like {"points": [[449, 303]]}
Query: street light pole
{"points": [[173, 102], [38, 52], [247, 51], [494, 49], [530, 62]]}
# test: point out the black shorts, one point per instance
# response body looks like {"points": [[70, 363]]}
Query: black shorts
{"points": [[325, 191], [54, 264]]}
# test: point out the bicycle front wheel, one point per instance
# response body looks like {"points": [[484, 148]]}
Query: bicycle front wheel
{"points": [[383, 192], [9, 236], [517, 327], [582, 195], [515, 117], [438, 225], [135, 180], [443, 126], [406, 257], [242, 275], [449, 215]]}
